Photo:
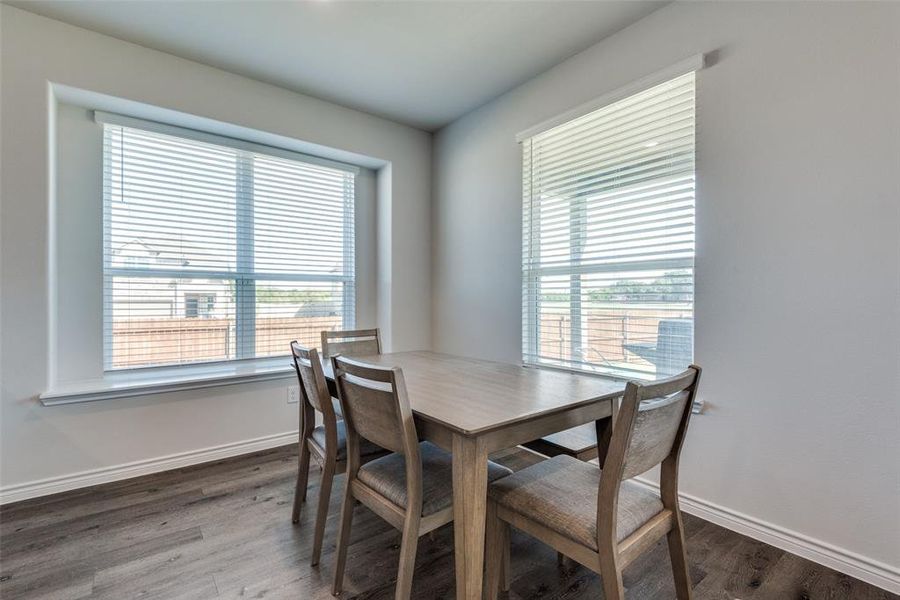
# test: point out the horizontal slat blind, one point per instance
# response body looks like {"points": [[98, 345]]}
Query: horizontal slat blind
{"points": [[215, 253], [608, 237]]}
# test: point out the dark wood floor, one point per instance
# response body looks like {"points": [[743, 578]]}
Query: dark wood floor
{"points": [[223, 530]]}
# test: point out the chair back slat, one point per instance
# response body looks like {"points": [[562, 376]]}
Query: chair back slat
{"points": [[655, 429], [648, 423], [357, 342], [313, 385], [371, 404]]}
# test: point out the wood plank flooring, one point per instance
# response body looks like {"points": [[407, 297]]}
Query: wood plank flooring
{"points": [[223, 530]]}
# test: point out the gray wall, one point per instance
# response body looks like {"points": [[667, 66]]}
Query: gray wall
{"points": [[798, 251], [61, 442]]}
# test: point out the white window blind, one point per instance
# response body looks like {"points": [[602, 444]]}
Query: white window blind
{"points": [[608, 240], [213, 252]]}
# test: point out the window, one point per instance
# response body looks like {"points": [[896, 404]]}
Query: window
{"points": [[608, 240], [220, 251], [199, 305]]}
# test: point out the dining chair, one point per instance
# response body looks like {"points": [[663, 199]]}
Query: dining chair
{"points": [[596, 515], [354, 342], [578, 442], [326, 444], [412, 489]]}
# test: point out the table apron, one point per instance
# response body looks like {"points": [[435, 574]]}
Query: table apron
{"points": [[518, 433]]}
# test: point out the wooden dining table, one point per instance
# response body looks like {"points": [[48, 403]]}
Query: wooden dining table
{"points": [[474, 407]]}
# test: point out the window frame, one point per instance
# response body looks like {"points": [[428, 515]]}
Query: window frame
{"points": [[244, 276]]}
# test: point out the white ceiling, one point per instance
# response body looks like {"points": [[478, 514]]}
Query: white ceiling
{"points": [[422, 63]]}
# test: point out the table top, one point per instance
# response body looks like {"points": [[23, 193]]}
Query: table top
{"points": [[472, 396]]}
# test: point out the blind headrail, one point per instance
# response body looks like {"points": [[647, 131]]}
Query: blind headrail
{"points": [[220, 140], [683, 67]]}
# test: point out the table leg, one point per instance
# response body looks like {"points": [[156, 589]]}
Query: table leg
{"points": [[469, 512]]}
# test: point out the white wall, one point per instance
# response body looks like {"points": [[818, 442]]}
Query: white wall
{"points": [[798, 252], [48, 442]]}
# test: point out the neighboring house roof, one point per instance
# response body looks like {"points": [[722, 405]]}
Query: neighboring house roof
{"points": [[156, 254], [137, 242]]}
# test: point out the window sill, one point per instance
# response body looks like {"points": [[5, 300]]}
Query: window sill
{"points": [[160, 381]]}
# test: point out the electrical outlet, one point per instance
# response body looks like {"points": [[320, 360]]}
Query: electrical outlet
{"points": [[293, 394]]}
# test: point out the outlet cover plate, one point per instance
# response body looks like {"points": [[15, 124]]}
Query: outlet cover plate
{"points": [[293, 394]]}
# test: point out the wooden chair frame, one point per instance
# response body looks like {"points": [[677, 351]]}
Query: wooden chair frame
{"points": [[614, 436], [409, 520], [330, 339], [314, 396]]}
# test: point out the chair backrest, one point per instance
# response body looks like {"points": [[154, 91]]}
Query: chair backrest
{"points": [[374, 403], [313, 385], [649, 429], [376, 407], [356, 342], [648, 426]]}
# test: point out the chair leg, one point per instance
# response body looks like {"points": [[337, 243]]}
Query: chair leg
{"points": [[506, 571], [611, 575], [322, 513], [678, 556], [495, 570], [343, 540], [302, 481], [408, 546]]}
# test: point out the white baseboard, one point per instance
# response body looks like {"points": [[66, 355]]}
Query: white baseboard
{"points": [[54, 485], [861, 567]]}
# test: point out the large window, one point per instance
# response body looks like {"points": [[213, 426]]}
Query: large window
{"points": [[217, 252], [608, 252]]}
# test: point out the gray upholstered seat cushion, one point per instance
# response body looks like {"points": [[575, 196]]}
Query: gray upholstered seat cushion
{"points": [[387, 476], [561, 493], [366, 448]]}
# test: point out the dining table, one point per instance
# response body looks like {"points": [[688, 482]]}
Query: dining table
{"points": [[473, 407]]}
